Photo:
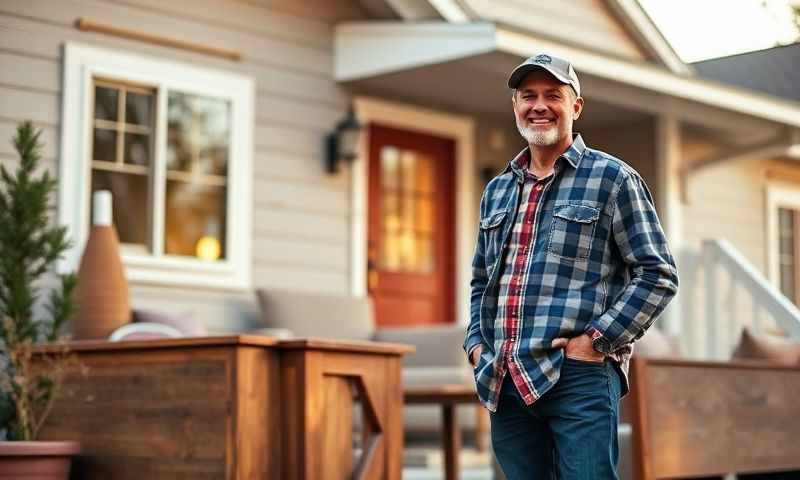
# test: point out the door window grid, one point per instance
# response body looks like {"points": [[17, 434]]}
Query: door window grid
{"points": [[407, 198]]}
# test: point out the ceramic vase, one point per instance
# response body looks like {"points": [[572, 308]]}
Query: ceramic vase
{"points": [[102, 292]]}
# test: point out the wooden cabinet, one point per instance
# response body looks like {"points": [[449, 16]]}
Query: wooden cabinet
{"points": [[238, 407]]}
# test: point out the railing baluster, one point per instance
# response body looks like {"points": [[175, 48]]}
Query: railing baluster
{"points": [[733, 318], [710, 286]]}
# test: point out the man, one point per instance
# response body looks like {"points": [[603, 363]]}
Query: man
{"points": [[571, 266]]}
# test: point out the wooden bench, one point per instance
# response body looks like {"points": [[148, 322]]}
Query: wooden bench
{"points": [[700, 419]]}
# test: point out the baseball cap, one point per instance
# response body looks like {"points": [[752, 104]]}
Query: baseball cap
{"points": [[558, 67]]}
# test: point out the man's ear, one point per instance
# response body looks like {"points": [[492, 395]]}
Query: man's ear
{"points": [[577, 108]]}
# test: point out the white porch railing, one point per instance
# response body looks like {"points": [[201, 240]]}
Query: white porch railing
{"points": [[728, 294]]}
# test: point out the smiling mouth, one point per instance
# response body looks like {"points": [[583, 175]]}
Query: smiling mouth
{"points": [[541, 122]]}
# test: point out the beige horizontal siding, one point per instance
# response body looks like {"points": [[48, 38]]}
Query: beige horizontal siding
{"points": [[258, 49], [301, 232], [728, 201], [289, 224]]}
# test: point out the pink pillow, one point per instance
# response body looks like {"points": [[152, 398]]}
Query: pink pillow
{"points": [[767, 347]]}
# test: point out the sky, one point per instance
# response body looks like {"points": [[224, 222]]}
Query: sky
{"points": [[701, 29]]}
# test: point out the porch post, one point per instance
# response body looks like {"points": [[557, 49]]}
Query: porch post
{"points": [[668, 201]]}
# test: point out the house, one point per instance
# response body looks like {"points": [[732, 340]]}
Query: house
{"points": [[208, 122]]}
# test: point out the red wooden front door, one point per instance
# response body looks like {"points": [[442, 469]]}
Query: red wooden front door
{"points": [[411, 216]]}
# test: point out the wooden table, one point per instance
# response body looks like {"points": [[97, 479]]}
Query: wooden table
{"points": [[448, 396], [232, 407]]}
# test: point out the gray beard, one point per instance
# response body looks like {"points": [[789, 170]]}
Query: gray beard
{"points": [[541, 139]]}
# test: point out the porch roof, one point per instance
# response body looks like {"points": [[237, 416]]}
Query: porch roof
{"points": [[464, 66]]}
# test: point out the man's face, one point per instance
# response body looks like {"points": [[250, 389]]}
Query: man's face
{"points": [[545, 108]]}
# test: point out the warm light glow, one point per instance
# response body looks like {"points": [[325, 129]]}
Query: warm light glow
{"points": [[208, 249]]}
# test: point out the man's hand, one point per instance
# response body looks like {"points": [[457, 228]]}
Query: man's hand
{"points": [[475, 355], [579, 348]]}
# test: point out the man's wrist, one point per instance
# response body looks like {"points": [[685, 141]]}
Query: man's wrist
{"points": [[471, 352], [599, 342]]}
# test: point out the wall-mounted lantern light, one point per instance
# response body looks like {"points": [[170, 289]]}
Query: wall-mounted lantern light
{"points": [[342, 143]]}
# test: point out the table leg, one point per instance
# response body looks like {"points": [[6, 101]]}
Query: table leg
{"points": [[451, 438]]}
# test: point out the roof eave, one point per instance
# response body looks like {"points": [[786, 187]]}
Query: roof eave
{"points": [[369, 49]]}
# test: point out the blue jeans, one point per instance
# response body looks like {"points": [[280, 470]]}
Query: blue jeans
{"points": [[570, 433]]}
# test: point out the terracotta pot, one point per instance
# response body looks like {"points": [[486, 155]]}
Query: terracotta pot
{"points": [[36, 460], [102, 292]]}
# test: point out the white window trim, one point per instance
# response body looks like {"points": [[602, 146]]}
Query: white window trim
{"points": [[81, 64], [778, 195], [461, 129]]}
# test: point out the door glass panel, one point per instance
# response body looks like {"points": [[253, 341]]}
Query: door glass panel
{"points": [[424, 181], [391, 212], [408, 164], [390, 168], [407, 214], [409, 211], [425, 214]]}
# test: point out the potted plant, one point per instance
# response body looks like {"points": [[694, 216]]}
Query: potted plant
{"points": [[29, 384]]}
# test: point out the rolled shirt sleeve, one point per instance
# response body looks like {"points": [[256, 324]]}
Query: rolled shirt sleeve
{"points": [[653, 275]]}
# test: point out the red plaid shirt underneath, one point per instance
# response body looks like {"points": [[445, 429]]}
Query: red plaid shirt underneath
{"points": [[513, 280]]}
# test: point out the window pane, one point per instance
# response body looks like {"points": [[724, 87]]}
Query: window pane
{"points": [[131, 203], [138, 108], [198, 134], [787, 282], [137, 149], [104, 146], [195, 220], [105, 103], [786, 246]]}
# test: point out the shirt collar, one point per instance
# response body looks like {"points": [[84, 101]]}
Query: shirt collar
{"points": [[572, 155]]}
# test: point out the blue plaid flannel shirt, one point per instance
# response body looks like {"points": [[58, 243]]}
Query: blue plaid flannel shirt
{"points": [[599, 264]]}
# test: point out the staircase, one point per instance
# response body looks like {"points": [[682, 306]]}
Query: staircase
{"points": [[722, 292]]}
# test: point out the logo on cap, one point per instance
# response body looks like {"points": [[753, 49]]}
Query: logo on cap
{"points": [[542, 59]]}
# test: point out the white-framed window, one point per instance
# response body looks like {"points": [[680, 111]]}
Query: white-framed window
{"points": [[173, 143], [783, 236]]}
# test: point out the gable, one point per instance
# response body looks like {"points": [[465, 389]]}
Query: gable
{"points": [[589, 24]]}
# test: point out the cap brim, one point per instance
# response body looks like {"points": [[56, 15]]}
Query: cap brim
{"points": [[519, 73]]}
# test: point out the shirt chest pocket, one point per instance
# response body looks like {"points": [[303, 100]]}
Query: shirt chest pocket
{"points": [[572, 231], [492, 231]]}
